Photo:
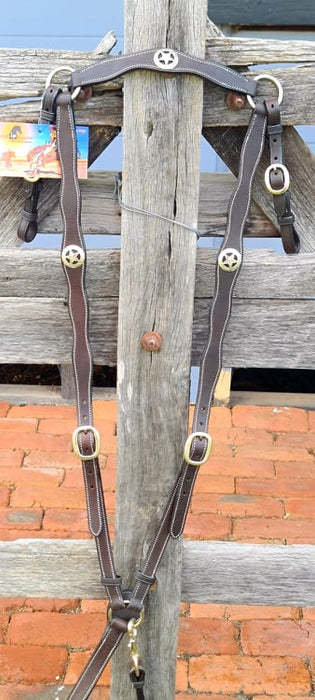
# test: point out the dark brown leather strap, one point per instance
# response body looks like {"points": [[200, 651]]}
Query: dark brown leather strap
{"points": [[73, 258], [163, 60], [276, 177], [99, 659], [28, 225], [85, 443], [228, 267], [27, 228]]}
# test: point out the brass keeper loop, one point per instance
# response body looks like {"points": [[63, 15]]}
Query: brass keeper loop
{"points": [[188, 444], [75, 442]]}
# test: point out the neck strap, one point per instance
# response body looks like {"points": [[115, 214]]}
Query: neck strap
{"points": [[167, 61]]}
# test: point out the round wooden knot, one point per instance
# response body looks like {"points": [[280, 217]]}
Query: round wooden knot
{"points": [[236, 101], [151, 341]]}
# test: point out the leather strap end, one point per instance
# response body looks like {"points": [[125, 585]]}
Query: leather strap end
{"points": [[27, 229]]}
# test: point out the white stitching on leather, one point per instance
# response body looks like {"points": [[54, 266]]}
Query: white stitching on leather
{"points": [[177, 69]]}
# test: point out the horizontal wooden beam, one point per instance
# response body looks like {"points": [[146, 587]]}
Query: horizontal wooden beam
{"points": [[107, 109], [101, 212], [272, 320], [241, 51], [217, 572], [25, 71], [284, 13]]}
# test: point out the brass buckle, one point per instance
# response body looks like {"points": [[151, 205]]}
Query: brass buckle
{"points": [[188, 444], [75, 442], [286, 178]]}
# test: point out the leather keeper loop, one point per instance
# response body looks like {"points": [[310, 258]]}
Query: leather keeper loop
{"points": [[46, 116], [274, 129], [125, 614], [285, 220], [144, 578], [111, 581]]}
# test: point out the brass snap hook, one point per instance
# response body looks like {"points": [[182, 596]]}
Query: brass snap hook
{"points": [[132, 630]]}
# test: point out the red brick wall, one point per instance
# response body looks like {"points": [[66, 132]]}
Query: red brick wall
{"points": [[258, 486]]}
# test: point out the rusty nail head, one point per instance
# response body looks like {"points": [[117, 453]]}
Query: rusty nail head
{"points": [[236, 101], [85, 94], [151, 341]]}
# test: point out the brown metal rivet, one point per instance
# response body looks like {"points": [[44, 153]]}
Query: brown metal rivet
{"points": [[151, 341], [236, 101], [85, 94]]}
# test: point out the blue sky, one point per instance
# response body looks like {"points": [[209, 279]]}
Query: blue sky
{"points": [[58, 26]]}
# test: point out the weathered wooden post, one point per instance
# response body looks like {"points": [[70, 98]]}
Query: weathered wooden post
{"points": [[162, 128]]}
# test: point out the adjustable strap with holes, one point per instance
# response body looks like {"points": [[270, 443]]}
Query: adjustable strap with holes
{"points": [[86, 442], [125, 611], [277, 179]]}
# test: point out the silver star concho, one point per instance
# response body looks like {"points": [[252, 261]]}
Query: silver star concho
{"points": [[165, 59], [73, 256], [229, 259]]}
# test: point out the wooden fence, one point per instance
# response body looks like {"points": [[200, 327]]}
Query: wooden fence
{"points": [[272, 322]]}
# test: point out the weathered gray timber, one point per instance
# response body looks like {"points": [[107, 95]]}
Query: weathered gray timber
{"points": [[162, 127], [212, 572], [12, 195], [101, 212], [272, 321], [24, 71], [254, 12]]}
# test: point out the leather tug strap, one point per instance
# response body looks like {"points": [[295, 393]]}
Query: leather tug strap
{"points": [[277, 179]]}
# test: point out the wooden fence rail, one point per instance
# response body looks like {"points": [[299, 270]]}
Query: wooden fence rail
{"points": [[212, 572]]}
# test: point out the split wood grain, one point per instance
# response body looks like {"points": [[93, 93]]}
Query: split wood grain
{"points": [[271, 325], [162, 126], [101, 212], [212, 572]]}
